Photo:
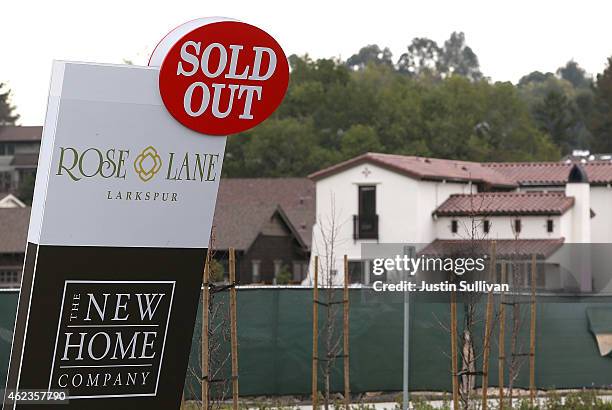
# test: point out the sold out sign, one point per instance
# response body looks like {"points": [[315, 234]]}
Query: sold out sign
{"points": [[223, 78]]}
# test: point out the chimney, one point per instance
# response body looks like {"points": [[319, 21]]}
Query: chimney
{"points": [[578, 187]]}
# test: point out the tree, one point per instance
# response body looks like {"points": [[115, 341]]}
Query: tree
{"points": [[370, 54], [421, 59], [325, 71], [284, 277], [573, 73], [558, 108], [479, 121], [557, 117], [425, 58], [358, 140], [325, 244], [277, 148], [459, 59], [332, 113], [601, 118], [535, 77], [26, 189], [216, 271], [7, 110]]}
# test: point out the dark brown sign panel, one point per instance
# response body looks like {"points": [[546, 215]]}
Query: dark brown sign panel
{"points": [[107, 323]]}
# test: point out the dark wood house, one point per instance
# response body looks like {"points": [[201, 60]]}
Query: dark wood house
{"points": [[269, 223], [19, 147], [13, 236]]}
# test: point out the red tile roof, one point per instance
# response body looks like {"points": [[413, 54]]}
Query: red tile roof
{"points": [[506, 203], [424, 168], [11, 133], [496, 174], [550, 173], [244, 205], [506, 248]]}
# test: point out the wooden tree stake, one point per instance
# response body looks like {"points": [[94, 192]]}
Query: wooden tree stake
{"points": [[487, 332], [453, 327], [315, 334], [532, 333], [205, 316], [234, 327], [347, 391], [500, 343]]}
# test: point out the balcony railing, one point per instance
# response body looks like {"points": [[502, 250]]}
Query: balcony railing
{"points": [[365, 227]]}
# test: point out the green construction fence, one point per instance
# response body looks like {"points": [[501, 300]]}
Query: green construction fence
{"points": [[275, 342]]}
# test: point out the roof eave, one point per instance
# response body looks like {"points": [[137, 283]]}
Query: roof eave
{"points": [[368, 158], [361, 159], [522, 213], [467, 179]]}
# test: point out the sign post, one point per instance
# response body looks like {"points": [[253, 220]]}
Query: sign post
{"points": [[123, 208]]}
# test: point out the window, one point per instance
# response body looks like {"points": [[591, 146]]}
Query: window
{"points": [[6, 181], [9, 277], [486, 226], [550, 226], [7, 149], [367, 200], [517, 226], [454, 226], [278, 266], [365, 224], [356, 271], [256, 274], [225, 267], [300, 270]]}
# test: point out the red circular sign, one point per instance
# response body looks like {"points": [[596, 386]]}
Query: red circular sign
{"points": [[223, 78]]}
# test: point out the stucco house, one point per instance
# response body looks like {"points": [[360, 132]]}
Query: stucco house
{"points": [[440, 205]]}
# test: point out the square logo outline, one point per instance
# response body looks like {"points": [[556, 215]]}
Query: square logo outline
{"points": [[108, 396]]}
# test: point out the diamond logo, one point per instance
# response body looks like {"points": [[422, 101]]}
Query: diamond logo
{"points": [[147, 163]]}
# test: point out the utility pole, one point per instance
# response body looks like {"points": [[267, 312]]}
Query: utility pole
{"points": [[410, 251]]}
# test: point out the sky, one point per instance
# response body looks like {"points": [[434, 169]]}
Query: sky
{"points": [[511, 38]]}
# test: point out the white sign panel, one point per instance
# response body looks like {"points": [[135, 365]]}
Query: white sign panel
{"points": [[116, 169]]}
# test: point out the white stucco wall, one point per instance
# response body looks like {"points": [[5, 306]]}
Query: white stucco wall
{"points": [[532, 227], [565, 226], [403, 204], [581, 212], [601, 224], [600, 203]]}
